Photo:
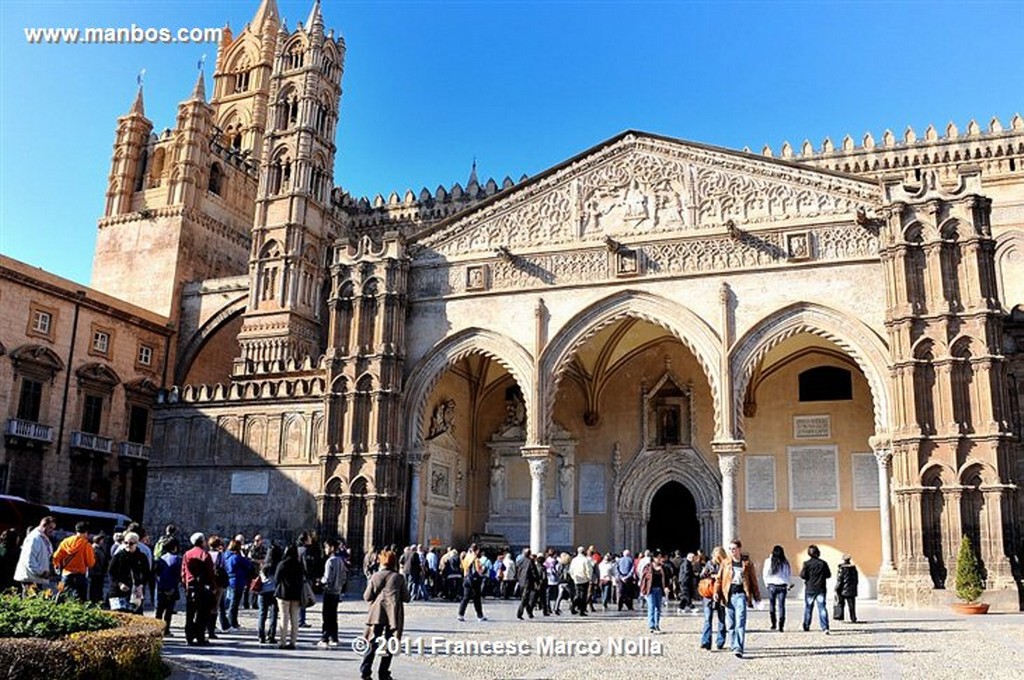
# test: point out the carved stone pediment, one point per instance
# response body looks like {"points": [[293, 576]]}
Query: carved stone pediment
{"points": [[639, 185]]}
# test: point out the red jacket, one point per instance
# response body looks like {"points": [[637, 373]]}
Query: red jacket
{"points": [[197, 567]]}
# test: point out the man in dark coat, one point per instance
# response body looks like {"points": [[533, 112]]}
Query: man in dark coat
{"points": [[528, 579], [387, 592], [815, 573], [846, 589]]}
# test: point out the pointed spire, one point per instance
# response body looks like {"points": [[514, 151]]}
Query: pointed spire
{"points": [[472, 174], [315, 23], [137, 106], [266, 12], [199, 91]]}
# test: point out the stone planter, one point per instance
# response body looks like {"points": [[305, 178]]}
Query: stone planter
{"points": [[970, 608]]}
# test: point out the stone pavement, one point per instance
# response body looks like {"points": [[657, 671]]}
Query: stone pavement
{"points": [[888, 643]]}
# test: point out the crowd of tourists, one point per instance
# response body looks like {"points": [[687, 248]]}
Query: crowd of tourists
{"points": [[218, 577]]}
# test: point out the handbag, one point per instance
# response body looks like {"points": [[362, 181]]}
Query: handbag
{"points": [[837, 609], [706, 587], [308, 596]]}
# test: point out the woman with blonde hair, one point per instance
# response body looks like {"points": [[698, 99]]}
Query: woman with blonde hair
{"points": [[387, 592], [711, 605]]}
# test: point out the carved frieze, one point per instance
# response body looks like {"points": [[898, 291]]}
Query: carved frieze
{"points": [[641, 185]]}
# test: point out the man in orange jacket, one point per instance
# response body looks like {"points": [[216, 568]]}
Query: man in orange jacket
{"points": [[73, 559]]}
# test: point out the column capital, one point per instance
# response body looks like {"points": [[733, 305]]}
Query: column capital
{"points": [[538, 467], [881, 446]]}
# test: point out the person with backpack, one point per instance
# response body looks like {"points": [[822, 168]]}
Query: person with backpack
{"points": [[168, 577], [472, 582], [266, 601]]}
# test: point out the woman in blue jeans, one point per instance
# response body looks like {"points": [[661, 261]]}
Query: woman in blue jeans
{"points": [[776, 574], [712, 607], [652, 587]]}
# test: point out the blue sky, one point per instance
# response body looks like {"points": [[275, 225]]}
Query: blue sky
{"points": [[428, 86]]}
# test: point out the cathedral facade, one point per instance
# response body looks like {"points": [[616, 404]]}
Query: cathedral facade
{"points": [[654, 343]]}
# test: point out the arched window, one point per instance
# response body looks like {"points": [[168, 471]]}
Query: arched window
{"points": [[156, 168], [368, 317], [216, 185]]}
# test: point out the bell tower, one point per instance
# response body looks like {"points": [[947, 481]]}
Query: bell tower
{"points": [[293, 226]]}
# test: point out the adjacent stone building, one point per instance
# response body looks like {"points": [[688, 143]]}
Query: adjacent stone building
{"points": [[654, 343], [80, 373]]}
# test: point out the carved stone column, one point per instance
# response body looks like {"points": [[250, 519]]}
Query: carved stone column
{"points": [[729, 462], [416, 459], [538, 458], [882, 447]]}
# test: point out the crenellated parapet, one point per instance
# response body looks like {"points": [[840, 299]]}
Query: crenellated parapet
{"points": [[996, 149], [412, 211]]}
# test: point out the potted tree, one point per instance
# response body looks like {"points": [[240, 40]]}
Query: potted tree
{"points": [[969, 586]]}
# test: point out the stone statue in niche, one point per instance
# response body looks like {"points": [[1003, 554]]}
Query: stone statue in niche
{"points": [[497, 488], [635, 202], [565, 471], [443, 419]]}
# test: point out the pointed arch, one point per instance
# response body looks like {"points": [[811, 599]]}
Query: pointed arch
{"points": [[688, 327], [429, 370], [858, 340]]}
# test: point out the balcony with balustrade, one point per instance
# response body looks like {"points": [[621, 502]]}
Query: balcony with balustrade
{"points": [[18, 432], [91, 443], [133, 451]]}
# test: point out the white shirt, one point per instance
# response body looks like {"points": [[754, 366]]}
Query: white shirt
{"points": [[780, 579]]}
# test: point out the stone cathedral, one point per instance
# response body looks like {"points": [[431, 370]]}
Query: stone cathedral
{"points": [[656, 343]]}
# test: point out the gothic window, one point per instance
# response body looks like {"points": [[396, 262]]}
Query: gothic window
{"points": [[917, 294], [950, 257], [140, 171], [924, 389], [342, 317], [933, 516], [361, 413], [293, 110], [216, 185], [826, 383], [295, 58], [368, 317], [962, 382], [242, 81]]}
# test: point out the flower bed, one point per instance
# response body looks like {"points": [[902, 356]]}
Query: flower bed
{"points": [[38, 642]]}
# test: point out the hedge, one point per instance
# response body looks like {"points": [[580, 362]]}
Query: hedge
{"points": [[131, 650]]}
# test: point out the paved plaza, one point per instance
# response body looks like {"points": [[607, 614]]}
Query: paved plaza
{"points": [[887, 643]]}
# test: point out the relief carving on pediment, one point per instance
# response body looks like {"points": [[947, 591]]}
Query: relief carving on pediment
{"points": [[647, 186]]}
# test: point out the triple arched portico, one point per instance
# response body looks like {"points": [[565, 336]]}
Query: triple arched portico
{"points": [[541, 378]]}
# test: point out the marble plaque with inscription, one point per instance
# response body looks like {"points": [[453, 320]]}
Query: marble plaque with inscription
{"points": [[865, 481], [815, 527], [250, 483], [593, 490], [813, 478], [760, 483], [812, 427]]}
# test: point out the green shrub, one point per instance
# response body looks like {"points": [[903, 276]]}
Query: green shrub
{"points": [[968, 575], [41, 617], [122, 647]]}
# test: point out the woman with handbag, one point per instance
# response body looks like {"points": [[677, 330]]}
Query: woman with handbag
{"points": [[288, 591], [712, 607], [387, 592]]}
